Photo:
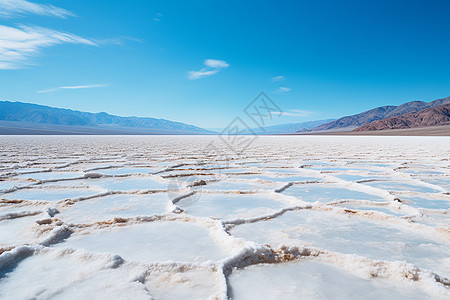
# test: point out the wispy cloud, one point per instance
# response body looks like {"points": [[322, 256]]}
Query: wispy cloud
{"points": [[19, 45], [12, 8], [283, 89], [296, 113], [72, 87], [158, 17], [213, 66], [277, 78]]}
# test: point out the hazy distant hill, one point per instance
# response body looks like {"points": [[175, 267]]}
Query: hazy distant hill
{"points": [[290, 127], [18, 118], [379, 113], [432, 116]]}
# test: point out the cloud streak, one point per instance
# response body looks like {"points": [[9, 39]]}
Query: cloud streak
{"points": [[283, 89], [12, 8], [72, 87], [277, 78], [296, 113], [158, 17], [19, 45], [213, 66]]}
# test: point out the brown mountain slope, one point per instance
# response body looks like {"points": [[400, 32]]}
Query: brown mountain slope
{"points": [[433, 116], [380, 113]]}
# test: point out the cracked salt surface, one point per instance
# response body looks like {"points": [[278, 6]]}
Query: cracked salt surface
{"points": [[386, 210], [327, 193], [69, 275], [123, 171], [313, 280], [18, 231], [51, 194], [238, 185], [426, 202], [401, 186], [112, 206], [114, 183], [345, 234], [151, 242], [226, 206], [6, 185], [292, 217], [50, 175], [277, 177], [356, 177]]}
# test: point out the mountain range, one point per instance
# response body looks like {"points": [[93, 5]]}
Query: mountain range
{"points": [[25, 118], [432, 116], [390, 114]]}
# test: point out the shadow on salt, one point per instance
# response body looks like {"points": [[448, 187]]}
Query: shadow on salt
{"points": [[151, 242], [422, 171], [20, 231], [70, 276], [313, 280], [442, 181], [352, 235], [425, 202], [8, 184]]}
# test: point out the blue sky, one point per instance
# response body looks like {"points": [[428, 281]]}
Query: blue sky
{"points": [[202, 62]]}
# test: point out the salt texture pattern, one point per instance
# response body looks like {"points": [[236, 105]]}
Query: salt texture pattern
{"points": [[290, 217]]}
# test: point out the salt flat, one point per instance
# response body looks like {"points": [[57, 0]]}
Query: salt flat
{"points": [[164, 217]]}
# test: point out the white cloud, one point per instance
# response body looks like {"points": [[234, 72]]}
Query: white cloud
{"points": [[11, 8], [277, 78], [215, 63], [296, 113], [19, 45], [283, 89], [213, 66], [73, 87]]}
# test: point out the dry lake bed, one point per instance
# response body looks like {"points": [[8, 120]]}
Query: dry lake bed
{"points": [[195, 217]]}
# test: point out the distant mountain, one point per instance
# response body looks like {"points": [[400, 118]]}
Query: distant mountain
{"points": [[432, 116], [378, 113], [290, 127], [20, 118], [287, 128]]}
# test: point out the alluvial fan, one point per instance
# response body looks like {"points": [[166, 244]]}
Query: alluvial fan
{"points": [[163, 217]]}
